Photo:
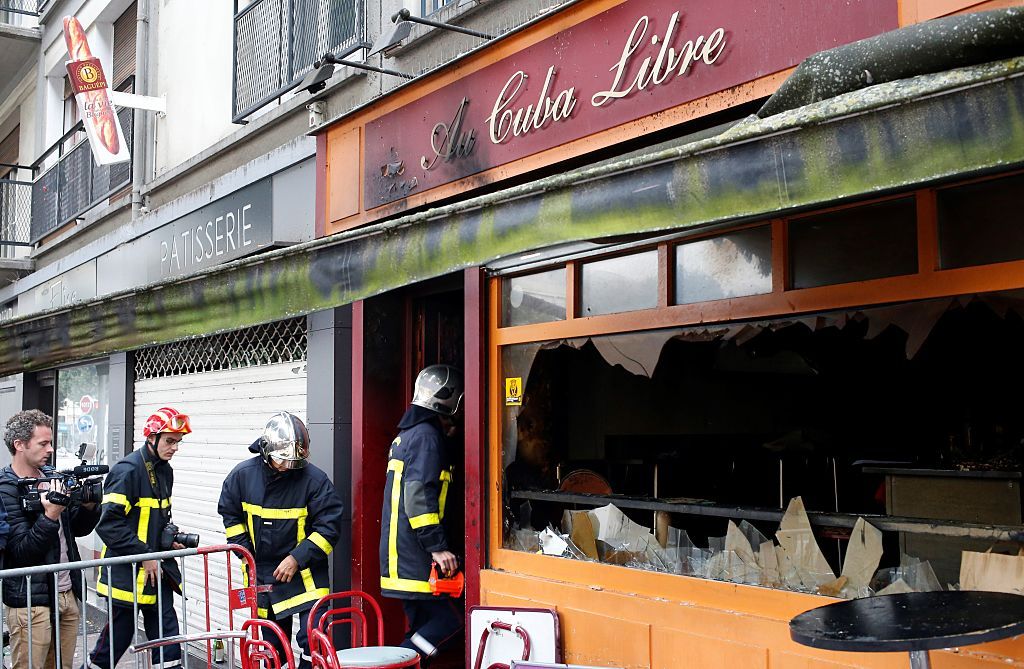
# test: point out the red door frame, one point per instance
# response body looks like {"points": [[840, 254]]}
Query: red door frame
{"points": [[369, 456]]}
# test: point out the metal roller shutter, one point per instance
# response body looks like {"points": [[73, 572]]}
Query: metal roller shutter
{"points": [[227, 409]]}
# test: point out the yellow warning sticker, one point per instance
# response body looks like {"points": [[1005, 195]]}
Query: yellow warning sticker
{"points": [[514, 391]]}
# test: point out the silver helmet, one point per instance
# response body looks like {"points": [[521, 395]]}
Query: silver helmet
{"points": [[285, 440], [438, 388]]}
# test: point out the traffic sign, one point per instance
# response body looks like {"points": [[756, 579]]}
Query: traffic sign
{"points": [[86, 403], [86, 423]]}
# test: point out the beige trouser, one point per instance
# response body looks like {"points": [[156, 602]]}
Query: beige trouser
{"points": [[43, 650]]}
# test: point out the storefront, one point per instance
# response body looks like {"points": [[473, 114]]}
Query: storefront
{"points": [[740, 312]]}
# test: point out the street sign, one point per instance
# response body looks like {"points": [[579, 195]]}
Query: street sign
{"points": [[86, 423], [86, 403]]}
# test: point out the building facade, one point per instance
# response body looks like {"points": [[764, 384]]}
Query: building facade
{"points": [[687, 280]]}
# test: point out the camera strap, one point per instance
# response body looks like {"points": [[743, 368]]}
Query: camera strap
{"points": [[158, 492]]}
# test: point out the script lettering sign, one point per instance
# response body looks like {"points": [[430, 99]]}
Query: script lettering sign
{"points": [[634, 60]]}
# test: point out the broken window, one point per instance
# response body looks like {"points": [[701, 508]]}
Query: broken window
{"points": [[749, 452]]}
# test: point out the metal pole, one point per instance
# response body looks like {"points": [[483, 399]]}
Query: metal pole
{"points": [[919, 659], [160, 605], [110, 613], [85, 633], [135, 613], [28, 618], [184, 614], [56, 614]]}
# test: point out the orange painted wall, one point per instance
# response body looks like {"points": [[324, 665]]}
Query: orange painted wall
{"points": [[638, 620]]}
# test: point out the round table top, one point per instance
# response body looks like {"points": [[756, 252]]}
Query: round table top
{"points": [[375, 656], [911, 621]]}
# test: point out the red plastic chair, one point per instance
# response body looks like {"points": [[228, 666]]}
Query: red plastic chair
{"points": [[257, 653], [327, 614]]}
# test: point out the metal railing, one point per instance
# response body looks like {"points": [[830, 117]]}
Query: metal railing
{"points": [[235, 598], [75, 183], [15, 211], [276, 43], [27, 7]]}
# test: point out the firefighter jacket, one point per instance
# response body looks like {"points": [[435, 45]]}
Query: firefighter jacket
{"points": [[415, 491], [136, 508], [275, 514]]}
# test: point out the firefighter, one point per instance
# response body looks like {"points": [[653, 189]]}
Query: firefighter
{"points": [[416, 490], [135, 510], [288, 514]]}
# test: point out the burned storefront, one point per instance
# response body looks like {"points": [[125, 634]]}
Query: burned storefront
{"points": [[721, 366]]}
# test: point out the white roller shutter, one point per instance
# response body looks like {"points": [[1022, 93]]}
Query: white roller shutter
{"points": [[228, 410]]}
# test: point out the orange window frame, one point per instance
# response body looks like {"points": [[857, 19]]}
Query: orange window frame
{"points": [[929, 282]]}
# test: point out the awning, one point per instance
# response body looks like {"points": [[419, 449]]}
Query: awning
{"points": [[889, 137]]}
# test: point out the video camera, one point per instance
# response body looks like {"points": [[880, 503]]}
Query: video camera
{"points": [[82, 484]]}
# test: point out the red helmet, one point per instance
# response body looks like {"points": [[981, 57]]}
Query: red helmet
{"points": [[166, 420]]}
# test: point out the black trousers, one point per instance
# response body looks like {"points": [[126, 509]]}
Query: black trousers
{"points": [[285, 623], [434, 624], [123, 624]]}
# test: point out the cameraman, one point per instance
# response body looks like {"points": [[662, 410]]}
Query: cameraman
{"points": [[137, 504], [38, 538]]}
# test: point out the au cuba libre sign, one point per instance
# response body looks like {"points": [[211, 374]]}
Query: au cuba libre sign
{"points": [[639, 58]]}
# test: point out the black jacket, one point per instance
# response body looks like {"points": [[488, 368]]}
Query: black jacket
{"points": [[134, 506], [415, 496], [33, 540], [276, 514]]}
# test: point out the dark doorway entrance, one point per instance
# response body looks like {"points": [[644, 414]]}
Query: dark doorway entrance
{"points": [[394, 336]]}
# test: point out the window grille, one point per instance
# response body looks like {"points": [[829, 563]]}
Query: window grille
{"points": [[282, 341]]}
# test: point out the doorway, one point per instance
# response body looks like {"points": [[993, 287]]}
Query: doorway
{"points": [[395, 335]]}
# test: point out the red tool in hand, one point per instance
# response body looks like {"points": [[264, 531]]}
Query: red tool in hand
{"points": [[450, 585]]}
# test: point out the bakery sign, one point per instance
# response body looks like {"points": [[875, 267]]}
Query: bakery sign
{"points": [[92, 95], [634, 60]]}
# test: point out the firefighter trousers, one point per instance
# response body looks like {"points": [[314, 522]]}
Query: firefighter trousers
{"points": [[123, 623], [302, 638], [434, 624]]}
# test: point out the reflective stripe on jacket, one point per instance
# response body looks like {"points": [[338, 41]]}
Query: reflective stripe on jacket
{"points": [[415, 495], [133, 516], [276, 514]]}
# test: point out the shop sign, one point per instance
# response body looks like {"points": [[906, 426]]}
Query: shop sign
{"points": [[636, 59], [72, 286], [92, 93], [232, 227]]}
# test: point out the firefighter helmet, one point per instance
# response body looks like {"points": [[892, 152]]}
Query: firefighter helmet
{"points": [[166, 420], [438, 388], [285, 440]]}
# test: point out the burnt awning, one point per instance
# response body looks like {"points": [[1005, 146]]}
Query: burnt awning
{"points": [[885, 138]]}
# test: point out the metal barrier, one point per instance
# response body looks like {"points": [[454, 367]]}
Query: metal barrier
{"points": [[242, 598]]}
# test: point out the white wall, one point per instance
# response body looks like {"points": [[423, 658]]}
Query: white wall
{"points": [[193, 69]]}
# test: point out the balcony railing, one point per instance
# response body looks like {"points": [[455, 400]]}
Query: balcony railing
{"points": [[75, 183], [28, 7], [15, 213], [277, 42]]}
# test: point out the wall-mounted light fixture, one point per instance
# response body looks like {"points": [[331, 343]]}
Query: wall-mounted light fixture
{"points": [[403, 20], [323, 69]]}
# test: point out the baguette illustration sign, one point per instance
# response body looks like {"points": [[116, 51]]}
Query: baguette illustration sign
{"points": [[90, 86]]}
